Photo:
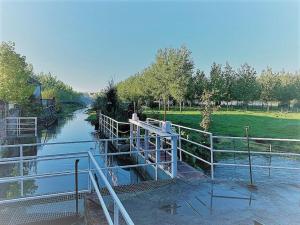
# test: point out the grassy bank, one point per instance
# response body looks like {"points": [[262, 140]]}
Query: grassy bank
{"points": [[232, 123], [92, 116]]}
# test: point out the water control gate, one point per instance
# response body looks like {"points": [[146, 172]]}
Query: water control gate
{"points": [[149, 142]]}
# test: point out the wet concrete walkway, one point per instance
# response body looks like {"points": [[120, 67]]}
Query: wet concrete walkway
{"points": [[219, 203]]}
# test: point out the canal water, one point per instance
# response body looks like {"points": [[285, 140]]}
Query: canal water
{"points": [[72, 128]]}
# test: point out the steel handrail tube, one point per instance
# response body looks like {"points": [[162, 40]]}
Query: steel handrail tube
{"points": [[111, 191]]}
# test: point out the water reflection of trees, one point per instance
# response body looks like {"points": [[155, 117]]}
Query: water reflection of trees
{"points": [[55, 129], [13, 189]]}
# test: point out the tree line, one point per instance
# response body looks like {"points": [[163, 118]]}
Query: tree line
{"points": [[173, 75], [16, 77]]}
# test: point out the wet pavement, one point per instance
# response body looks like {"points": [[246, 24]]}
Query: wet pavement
{"points": [[218, 203]]}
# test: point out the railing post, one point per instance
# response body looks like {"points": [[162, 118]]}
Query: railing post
{"points": [[111, 130], [89, 179], [116, 214], [117, 136], [76, 184], [138, 140], [146, 144], [157, 155], [174, 155], [211, 156], [270, 159], [35, 126], [18, 129], [179, 143], [21, 170], [131, 136], [106, 150]]}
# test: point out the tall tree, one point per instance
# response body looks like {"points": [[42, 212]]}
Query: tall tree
{"points": [[228, 75], [217, 83], [269, 84], [287, 88], [15, 74], [246, 88], [182, 70]]}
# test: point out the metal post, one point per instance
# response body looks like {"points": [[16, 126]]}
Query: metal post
{"points": [[174, 155], [138, 141], [106, 150], [21, 170], [146, 144], [131, 136], [116, 214], [89, 179], [211, 156], [76, 183], [18, 124], [157, 155], [179, 142], [35, 124], [117, 142], [249, 155], [270, 159], [110, 129]]}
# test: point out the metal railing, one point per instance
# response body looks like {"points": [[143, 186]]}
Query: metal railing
{"points": [[20, 126], [211, 145], [90, 168], [182, 140], [111, 127], [118, 206]]}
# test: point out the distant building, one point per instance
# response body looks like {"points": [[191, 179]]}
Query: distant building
{"points": [[37, 93]]}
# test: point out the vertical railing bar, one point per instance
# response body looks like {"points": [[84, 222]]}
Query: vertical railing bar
{"points": [[116, 214], [211, 156], [21, 170]]}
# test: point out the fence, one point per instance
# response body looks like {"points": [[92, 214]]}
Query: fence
{"points": [[91, 164], [111, 128], [212, 145], [20, 126]]}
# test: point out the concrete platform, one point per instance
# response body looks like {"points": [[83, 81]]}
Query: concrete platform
{"points": [[203, 202], [219, 203]]}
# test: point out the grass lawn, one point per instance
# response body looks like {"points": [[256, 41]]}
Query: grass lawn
{"points": [[232, 123]]}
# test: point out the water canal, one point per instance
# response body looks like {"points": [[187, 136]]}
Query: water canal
{"points": [[72, 128]]}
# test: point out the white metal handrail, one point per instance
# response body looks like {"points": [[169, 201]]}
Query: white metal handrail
{"points": [[18, 126], [118, 206], [213, 150]]}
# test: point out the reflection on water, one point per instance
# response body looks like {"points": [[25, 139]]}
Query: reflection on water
{"points": [[71, 128]]}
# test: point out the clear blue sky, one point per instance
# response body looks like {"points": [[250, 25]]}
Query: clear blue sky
{"points": [[86, 43]]}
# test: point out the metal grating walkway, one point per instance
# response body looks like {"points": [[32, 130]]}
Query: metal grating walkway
{"points": [[54, 210]]}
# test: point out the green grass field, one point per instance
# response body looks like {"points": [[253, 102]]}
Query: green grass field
{"points": [[232, 123]]}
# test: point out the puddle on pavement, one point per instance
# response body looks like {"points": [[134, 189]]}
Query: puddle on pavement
{"points": [[170, 208]]}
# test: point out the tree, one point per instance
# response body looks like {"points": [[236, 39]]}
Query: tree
{"points": [[15, 74], [199, 84], [228, 75], [269, 84], [287, 88], [245, 87], [217, 83], [182, 70], [52, 87], [172, 72], [208, 109]]}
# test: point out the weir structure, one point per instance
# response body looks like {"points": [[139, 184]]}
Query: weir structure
{"points": [[160, 150]]}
